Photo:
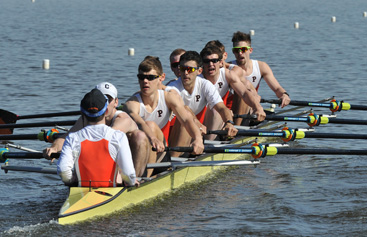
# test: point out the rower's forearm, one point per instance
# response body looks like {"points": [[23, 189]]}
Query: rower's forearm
{"points": [[193, 130], [58, 143]]}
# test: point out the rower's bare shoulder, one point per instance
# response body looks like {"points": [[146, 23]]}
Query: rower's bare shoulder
{"points": [[173, 98], [123, 115]]}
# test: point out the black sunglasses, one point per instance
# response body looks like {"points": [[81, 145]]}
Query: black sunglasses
{"points": [[214, 60], [175, 64], [149, 77]]}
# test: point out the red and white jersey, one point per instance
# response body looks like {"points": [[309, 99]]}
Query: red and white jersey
{"points": [[93, 155], [255, 76], [224, 89], [204, 94], [160, 115]]}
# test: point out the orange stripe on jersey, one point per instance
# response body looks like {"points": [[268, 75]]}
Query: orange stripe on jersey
{"points": [[228, 100], [96, 164], [166, 130], [200, 116]]}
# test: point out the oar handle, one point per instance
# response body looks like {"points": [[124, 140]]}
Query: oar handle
{"points": [[245, 116]]}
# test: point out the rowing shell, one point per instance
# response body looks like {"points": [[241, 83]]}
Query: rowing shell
{"points": [[84, 203]]}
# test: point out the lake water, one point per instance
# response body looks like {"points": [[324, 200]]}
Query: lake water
{"points": [[87, 42]]}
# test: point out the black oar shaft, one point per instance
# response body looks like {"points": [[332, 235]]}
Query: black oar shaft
{"points": [[348, 121], [312, 104], [304, 151], [264, 133], [47, 115], [27, 155], [358, 107], [39, 124], [335, 135], [298, 103], [212, 149], [27, 136], [6, 168]]}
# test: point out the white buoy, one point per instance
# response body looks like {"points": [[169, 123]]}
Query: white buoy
{"points": [[333, 19], [252, 32], [131, 51], [364, 14], [33, 0], [46, 64], [296, 25]]}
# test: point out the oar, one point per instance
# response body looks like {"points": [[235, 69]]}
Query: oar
{"points": [[6, 168], [201, 163], [311, 120], [258, 150], [42, 136], [288, 134], [9, 117], [174, 165], [334, 105], [38, 124], [4, 155]]}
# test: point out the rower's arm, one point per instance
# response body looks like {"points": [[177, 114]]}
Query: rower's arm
{"points": [[132, 108], [125, 161], [226, 115], [273, 83], [59, 142], [65, 164], [248, 95], [176, 104], [123, 122]]}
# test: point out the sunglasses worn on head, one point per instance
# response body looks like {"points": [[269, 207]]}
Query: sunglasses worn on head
{"points": [[149, 77], [242, 49], [188, 69], [214, 60], [175, 64]]}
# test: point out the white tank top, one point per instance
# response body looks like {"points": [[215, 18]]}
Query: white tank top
{"points": [[255, 76], [160, 115], [204, 93], [222, 84]]}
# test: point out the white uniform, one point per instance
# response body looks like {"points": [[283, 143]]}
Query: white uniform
{"points": [[160, 115], [203, 94], [222, 84], [255, 76], [89, 156]]}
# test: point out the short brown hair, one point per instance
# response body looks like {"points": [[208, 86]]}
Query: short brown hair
{"points": [[151, 63], [175, 52], [211, 50], [216, 43], [240, 36]]}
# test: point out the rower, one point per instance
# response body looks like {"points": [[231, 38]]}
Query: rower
{"points": [[151, 108], [95, 155], [118, 120], [197, 93], [255, 70], [224, 80]]}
